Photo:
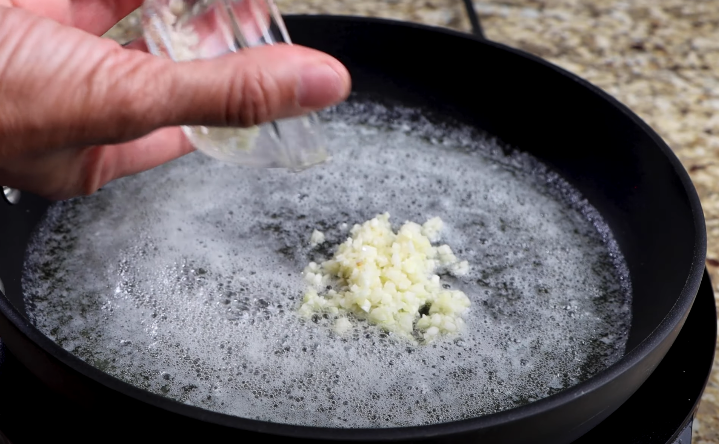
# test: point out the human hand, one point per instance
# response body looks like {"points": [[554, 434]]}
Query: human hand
{"points": [[77, 110]]}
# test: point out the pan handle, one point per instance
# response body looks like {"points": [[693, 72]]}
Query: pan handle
{"points": [[474, 19]]}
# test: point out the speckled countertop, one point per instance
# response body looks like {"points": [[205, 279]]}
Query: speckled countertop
{"points": [[659, 57]]}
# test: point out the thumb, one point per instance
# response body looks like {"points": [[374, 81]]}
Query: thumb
{"points": [[247, 88], [61, 87]]}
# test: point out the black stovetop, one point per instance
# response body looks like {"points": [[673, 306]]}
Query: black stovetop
{"points": [[660, 412]]}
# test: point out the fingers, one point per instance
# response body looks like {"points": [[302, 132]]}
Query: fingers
{"points": [[65, 173], [244, 89], [256, 86], [108, 162], [62, 89]]}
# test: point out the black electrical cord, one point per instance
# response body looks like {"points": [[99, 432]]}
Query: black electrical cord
{"points": [[473, 19]]}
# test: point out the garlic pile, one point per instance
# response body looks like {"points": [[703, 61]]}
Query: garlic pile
{"points": [[388, 278]]}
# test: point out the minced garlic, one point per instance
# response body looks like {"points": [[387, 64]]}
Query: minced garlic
{"points": [[317, 238], [387, 278]]}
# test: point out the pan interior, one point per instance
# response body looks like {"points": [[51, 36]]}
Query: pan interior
{"points": [[185, 280]]}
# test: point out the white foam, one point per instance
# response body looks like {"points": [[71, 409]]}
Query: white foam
{"points": [[185, 280]]}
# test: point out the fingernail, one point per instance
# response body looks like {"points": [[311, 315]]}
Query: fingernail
{"points": [[320, 86]]}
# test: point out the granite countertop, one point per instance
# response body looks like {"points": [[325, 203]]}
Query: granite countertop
{"points": [[659, 57]]}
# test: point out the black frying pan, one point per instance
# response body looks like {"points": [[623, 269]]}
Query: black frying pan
{"points": [[620, 165]]}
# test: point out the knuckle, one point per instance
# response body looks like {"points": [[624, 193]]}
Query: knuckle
{"points": [[140, 99], [126, 88], [258, 98]]}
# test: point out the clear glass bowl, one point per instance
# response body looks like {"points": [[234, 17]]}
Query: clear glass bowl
{"points": [[184, 30]]}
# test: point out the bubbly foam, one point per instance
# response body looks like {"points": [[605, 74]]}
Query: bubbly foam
{"points": [[185, 280]]}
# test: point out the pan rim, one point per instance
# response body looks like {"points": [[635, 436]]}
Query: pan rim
{"points": [[669, 325]]}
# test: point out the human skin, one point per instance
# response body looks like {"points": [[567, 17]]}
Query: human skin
{"points": [[78, 110]]}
